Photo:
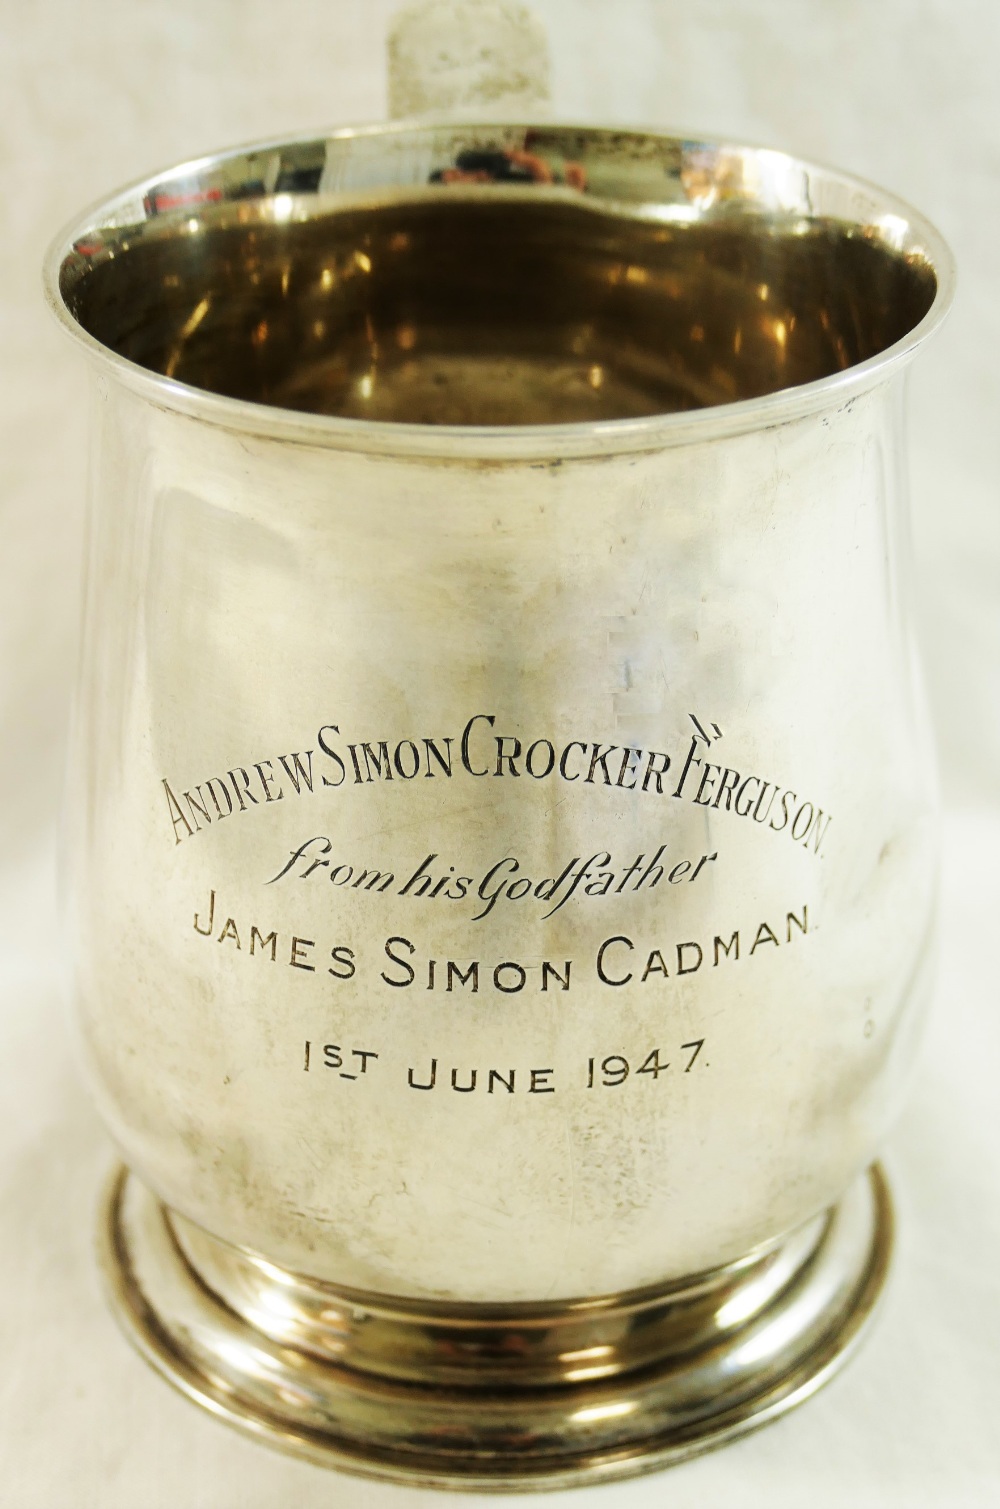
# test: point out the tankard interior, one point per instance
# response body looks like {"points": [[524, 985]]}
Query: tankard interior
{"points": [[487, 297]]}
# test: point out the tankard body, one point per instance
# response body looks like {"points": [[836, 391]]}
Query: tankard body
{"points": [[479, 855], [501, 821]]}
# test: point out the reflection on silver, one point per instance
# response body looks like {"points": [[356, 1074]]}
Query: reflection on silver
{"points": [[479, 262], [501, 1398]]}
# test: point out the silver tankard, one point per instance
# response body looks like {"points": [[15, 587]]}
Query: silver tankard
{"points": [[501, 822]]}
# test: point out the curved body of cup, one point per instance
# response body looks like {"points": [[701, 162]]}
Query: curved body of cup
{"points": [[502, 862]]}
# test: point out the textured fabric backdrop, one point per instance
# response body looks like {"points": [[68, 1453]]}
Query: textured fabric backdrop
{"points": [[900, 91]]}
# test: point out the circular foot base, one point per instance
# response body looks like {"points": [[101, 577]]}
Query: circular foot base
{"points": [[500, 1397]]}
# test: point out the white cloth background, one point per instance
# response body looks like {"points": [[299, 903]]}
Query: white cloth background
{"points": [[901, 91]]}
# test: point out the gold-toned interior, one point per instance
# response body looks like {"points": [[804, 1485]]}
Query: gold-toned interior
{"points": [[498, 311]]}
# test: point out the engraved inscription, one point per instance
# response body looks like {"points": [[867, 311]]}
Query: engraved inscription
{"points": [[481, 753], [598, 876], [376, 892], [436, 1074], [402, 964]]}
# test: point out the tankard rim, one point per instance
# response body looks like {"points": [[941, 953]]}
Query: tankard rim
{"points": [[859, 203]]}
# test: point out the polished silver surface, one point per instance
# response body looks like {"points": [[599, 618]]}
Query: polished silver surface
{"points": [[502, 816], [466, 277], [504, 1398]]}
